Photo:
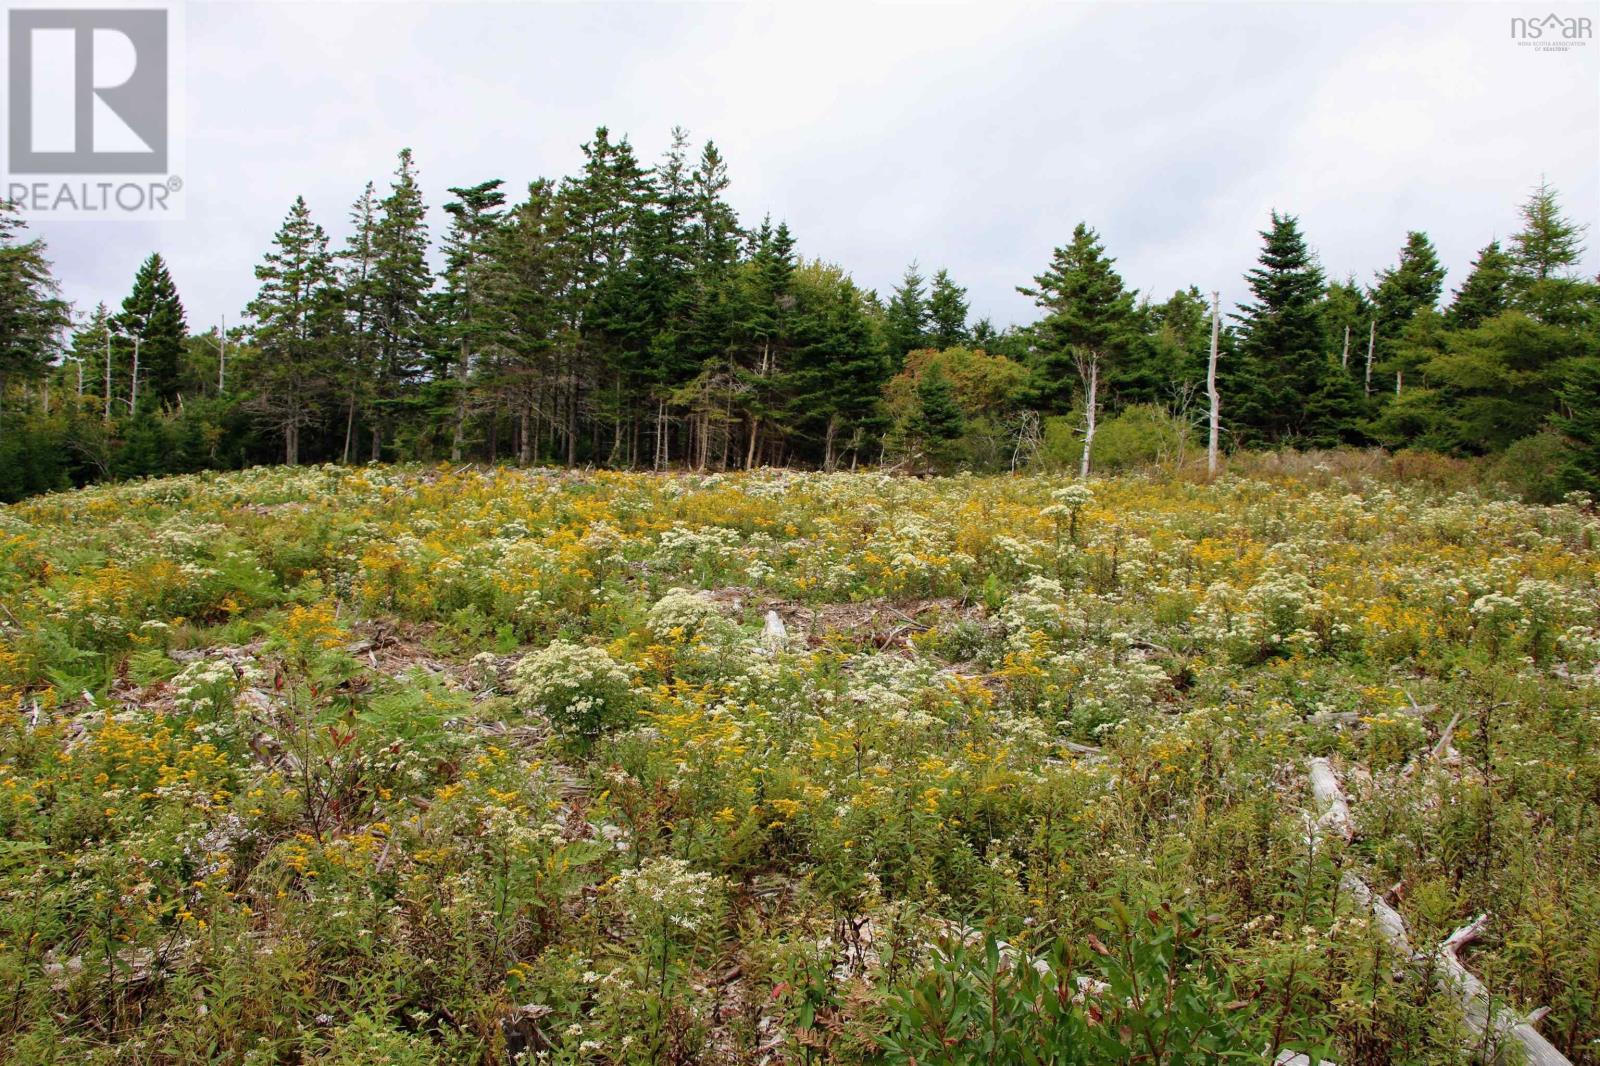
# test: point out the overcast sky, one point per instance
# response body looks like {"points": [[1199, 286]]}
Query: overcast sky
{"points": [[972, 137]]}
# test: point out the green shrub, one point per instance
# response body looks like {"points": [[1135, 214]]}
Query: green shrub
{"points": [[1531, 467], [1142, 435]]}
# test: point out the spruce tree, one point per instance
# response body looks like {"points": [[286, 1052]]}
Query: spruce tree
{"points": [[629, 251], [475, 221], [1578, 420], [153, 316], [1166, 361], [1548, 245], [837, 366], [766, 323], [906, 316], [1347, 315], [947, 312], [1089, 319], [32, 313], [295, 324], [528, 288], [1486, 292], [1543, 253], [399, 282], [357, 364], [91, 349], [1282, 345], [938, 422]]}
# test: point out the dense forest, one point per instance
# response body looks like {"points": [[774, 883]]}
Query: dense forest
{"points": [[626, 317]]}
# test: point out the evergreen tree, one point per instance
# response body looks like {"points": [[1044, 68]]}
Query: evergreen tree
{"points": [[1335, 413], [295, 322], [1089, 319], [1409, 287], [1166, 360], [1549, 244], [714, 394], [947, 312], [1486, 292], [91, 351], [475, 221], [767, 323], [32, 314], [1282, 348], [1347, 316], [1482, 388], [984, 334], [152, 325], [357, 369], [1578, 420], [399, 281], [1543, 254], [527, 288], [604, 211], [838, 364], [1402, 292], [906, 318], [938, 422]]}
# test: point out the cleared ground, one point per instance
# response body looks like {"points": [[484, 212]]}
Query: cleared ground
{"points": [[416, 765]]}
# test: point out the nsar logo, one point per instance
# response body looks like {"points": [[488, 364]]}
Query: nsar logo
{"points": [[1553, 32]]}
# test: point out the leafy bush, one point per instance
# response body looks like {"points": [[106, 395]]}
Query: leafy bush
{"points": [[1147, 992], [1531, 468], [1141, 435]]}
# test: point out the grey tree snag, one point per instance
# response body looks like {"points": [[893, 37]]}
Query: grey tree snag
{"points": [[1089, 371], [1211, 386], [1372, 341]]}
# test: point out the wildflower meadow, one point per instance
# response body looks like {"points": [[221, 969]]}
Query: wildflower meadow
{"points": [[427, 765]]}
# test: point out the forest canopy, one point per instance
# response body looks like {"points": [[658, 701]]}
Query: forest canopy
{"points": [[625, 316]]}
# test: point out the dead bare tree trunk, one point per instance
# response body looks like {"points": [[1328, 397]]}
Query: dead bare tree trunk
{"points": [[1211, 386], [133, 392], [1344, 357], [525, 430], [1089, 370], [222, 353], [1372, 342], [661, 435], [108, 377], [459, 430], [1490, 1023]]}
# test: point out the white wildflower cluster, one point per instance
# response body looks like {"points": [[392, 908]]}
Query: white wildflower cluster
{"points": [[665, 893], [1580, 646], [205, 688], [1039, 606], [683, 546], [1496, 607], [1105, 684], [581, 689], [1075, 496], [684, 610], [483, 671]]}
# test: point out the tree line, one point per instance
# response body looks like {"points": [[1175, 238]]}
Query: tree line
{"points": [[625, 316]]}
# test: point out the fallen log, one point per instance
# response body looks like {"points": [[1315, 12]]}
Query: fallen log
{"points": [[1494, 1026]]}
